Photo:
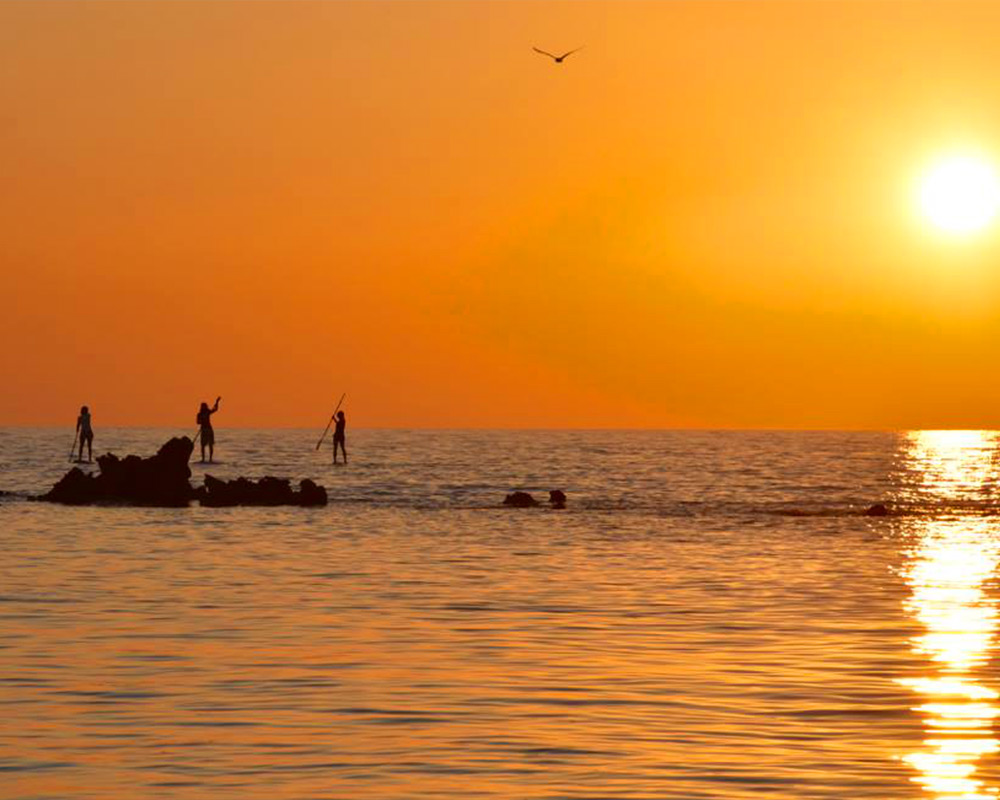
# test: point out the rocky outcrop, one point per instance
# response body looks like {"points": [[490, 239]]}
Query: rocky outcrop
{"points": [[557, 498], [161, 480], [265, 492]]}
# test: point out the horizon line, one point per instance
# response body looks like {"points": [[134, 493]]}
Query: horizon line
{"points": [[527, 429]]}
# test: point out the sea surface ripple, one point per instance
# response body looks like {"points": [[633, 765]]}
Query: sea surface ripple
{"points": [[711, 617]]}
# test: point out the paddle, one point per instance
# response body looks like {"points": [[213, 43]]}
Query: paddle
{"points": [[73, 448], [321, 438]]}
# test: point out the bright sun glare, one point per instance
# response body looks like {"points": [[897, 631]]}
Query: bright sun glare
{"points": [[960, 194]]}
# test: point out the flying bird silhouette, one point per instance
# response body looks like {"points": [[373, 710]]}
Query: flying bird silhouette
{"points": [[557, 59]]}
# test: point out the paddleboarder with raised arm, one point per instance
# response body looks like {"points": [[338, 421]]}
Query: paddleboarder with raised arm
{"points": [[204, 420], [338, 436]]}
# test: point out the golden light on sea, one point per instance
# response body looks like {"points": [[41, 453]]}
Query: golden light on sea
{"points": [[950, 576]]}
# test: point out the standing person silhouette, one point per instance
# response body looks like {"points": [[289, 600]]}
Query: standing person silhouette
{"points": [[204, 419], [338, 436], [86, 433]]}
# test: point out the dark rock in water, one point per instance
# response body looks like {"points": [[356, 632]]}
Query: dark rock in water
{"points": [[311, 494], [76, 487], [557, 499], [520, 500], [267, 491], [877, 510], [161, 480]]}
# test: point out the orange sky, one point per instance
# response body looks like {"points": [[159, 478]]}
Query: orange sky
{"points": [[705, 218]]}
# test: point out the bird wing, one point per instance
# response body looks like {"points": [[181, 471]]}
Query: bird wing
{"points": [[543, 52], [577, 50]]}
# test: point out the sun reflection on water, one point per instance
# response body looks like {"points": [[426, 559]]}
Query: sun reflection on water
{"points": [[952, 564]]}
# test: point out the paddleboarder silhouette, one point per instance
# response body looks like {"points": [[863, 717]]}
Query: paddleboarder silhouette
{"points": [[338, 436], [86, 433], [204, 419]]}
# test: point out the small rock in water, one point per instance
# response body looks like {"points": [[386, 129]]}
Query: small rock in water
{"points": [[311, 494], [520, 500], [557, 497], [877, 510]]}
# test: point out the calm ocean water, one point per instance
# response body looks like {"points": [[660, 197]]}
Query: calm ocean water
{"points": [[711, 617]]}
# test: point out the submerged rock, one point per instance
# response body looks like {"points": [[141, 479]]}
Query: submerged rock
{"points": [[520, 500], [267, 491], [557, 499], [877, 510], [160, 480]]}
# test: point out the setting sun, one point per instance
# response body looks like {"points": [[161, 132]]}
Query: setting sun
{"points": [[960, 194]]}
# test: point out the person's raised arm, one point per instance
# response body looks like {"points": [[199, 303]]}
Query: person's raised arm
{"points": [[216, 406]]}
